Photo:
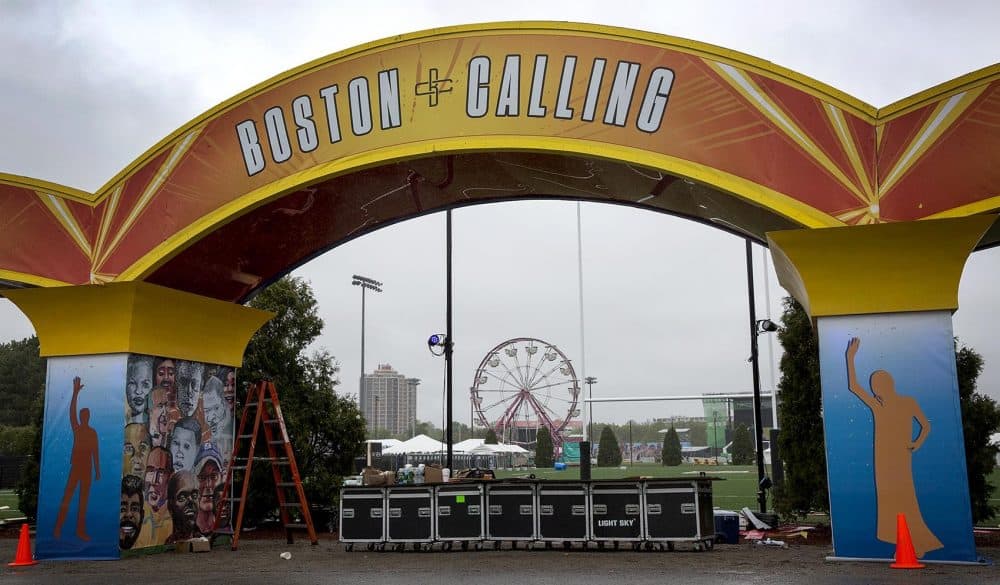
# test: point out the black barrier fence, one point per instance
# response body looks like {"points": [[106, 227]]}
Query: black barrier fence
{"points": [[460, 461]]}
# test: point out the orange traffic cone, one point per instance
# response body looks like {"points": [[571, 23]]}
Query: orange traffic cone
{"points": [[906, 558], [23, 558]]}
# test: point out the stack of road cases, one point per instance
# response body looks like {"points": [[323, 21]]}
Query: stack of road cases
{"points": [[460, 514], [362, 516]]}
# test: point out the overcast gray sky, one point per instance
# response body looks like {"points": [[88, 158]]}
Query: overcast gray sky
{"points": [[88, 86]]}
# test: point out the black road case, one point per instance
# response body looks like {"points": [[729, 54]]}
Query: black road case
{"points": [[510, 511], [459, 513], [562, 512], [616, 511], [410, 515], [679, 511], [362, 516]]}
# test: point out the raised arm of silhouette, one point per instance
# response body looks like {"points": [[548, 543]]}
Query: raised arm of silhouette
{"points": [[73, 422], [892, 418], [852, 376]]}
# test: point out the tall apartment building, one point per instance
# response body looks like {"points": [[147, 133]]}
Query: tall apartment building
{"points": [[388, 400]]}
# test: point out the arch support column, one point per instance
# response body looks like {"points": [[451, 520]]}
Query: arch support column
{"points": [[136, 365], [881, 299]]}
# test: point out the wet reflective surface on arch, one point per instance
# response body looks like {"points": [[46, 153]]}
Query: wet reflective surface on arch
{"points": [[448, 117], [311, 220]]}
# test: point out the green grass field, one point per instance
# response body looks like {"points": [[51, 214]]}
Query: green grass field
{"points": [[9, 498], [737, 490]]}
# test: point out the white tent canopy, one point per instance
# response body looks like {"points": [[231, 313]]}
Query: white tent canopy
{"points": [[418, 444], [467, 445], [485, 449]]}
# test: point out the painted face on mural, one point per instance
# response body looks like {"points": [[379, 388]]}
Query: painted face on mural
{"points": [[189, 380], [183, 502], [137, 446], [166, 376], [159, 420], [209, 476], [131, 512], [214, 405], [229, 391], [184, 444], [157, 474], [139, 383]]}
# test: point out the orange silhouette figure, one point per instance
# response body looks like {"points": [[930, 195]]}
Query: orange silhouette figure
{"points": [[85, 452], [893, 416]]}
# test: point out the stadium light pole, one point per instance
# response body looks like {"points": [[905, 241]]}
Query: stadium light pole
{"points": [[590, 381], [375, 286], [756, 328]]}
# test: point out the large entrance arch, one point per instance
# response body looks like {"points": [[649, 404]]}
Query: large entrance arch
{"points": [[410, 125]]}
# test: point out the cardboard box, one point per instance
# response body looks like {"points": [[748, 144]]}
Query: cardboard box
{"points": [[193, 545], [432, 474]]}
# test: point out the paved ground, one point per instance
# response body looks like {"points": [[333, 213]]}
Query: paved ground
{"points": [[258, 561]]}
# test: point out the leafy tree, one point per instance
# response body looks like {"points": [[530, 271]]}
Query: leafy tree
{"points": [[698, 432], [22, 378], [980, 419], [804, 488], [327, 430], [743, 443], [15, 441], [609, 454], [27, 488], [671, 448], [22, 385], [543, 448], [491, 437]]}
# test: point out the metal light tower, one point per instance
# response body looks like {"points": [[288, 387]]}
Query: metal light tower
{"points": [[375, 286], [756, 328], [590, 381]]}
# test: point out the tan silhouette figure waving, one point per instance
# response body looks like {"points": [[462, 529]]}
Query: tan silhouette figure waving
{"points": [[85, 453], [893, 415]]}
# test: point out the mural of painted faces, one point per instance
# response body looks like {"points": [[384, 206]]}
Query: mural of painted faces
{"points": [[138, 384], [181, 451], [189, 383], [157, 473], [184, 442], [137, 446]]}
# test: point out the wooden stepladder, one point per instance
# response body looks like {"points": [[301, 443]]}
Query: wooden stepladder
{"points": [[263, 408]]}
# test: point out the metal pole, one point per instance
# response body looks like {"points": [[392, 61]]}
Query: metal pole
{"points": [[449, 340], [758, 431], [770, 343], [631, 446], [583, 348]]}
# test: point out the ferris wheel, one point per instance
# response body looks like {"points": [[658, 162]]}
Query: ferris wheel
{"points": [[522, 385]]}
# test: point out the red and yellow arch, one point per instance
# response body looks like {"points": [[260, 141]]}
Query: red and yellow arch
{"points": [[420, 122]]}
